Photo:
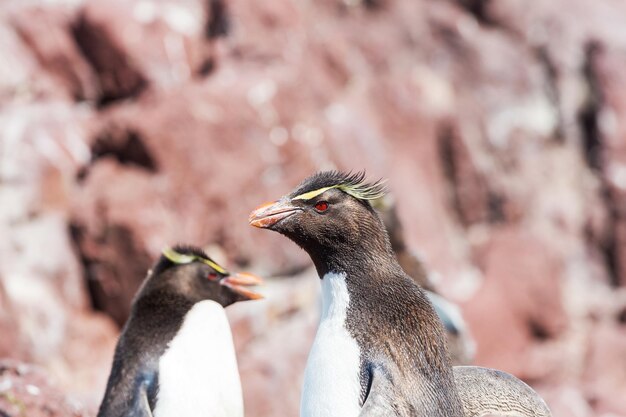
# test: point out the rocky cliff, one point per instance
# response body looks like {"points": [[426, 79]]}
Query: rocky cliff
{"points": [[129, 125]]}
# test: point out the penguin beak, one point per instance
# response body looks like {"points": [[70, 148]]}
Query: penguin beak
{"points": [[267, 215], [238, 281]]}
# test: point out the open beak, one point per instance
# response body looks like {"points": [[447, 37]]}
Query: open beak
{"points": [[267, 215], [239, 281]]}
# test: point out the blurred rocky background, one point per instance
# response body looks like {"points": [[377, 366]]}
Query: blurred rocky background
{"points": [[129, 125]]}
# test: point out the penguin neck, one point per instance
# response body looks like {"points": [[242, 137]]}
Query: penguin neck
{"points": [[335, 296], [162, 304], [364, 255]]}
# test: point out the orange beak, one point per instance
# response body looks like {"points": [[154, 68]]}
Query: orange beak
{"points": [[239, 281], [268, 214]]}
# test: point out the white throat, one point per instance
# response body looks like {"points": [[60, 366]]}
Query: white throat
{"points": [[331, 379], [198, 373]]}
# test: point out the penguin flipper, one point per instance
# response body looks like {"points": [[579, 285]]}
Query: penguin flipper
{"points": [[142, 405], [145, 404], [485, 391], [376, 403]]}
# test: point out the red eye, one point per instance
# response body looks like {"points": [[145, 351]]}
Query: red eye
{"points": [[212, 276], [321, 206]]}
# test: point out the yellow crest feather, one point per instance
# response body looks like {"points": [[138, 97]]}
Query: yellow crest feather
{"points": [[182, 258], [312, 194]]}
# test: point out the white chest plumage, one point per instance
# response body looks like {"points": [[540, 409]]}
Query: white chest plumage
{"points": [[331, 379], [198, 373]]}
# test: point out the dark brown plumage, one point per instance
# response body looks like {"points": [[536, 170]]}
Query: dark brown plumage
{"points": [[404, 364], [460, 342]]}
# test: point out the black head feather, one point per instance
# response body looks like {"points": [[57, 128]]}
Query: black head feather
{"points": [[190, 250], [352, 183], [164, 262]]}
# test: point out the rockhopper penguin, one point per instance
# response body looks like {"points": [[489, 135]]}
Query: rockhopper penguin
{"points": [[175, 356], [380, 348]]}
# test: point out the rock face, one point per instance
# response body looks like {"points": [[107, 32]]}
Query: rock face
{"points": [[25, 390], [130, 125]]}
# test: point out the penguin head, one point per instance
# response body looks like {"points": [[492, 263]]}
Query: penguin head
{"points": [[328, 212], [188, 270]]}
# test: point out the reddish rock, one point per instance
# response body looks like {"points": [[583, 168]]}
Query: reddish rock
{"points": [[469, 192], [89, 339], [43, 300], [604, 381], [499, 125], [21, 78], [45, 32], [9, 345], [272, 383], [607, 142], [566, 400], [132, 45], [27, 390], [114, 267], [518, 307]]}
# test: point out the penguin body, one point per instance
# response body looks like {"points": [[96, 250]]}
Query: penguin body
{"points": [[175, 356], [379, 314], [334, 359], [460, 342], [357, 342], [203, 346]]}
